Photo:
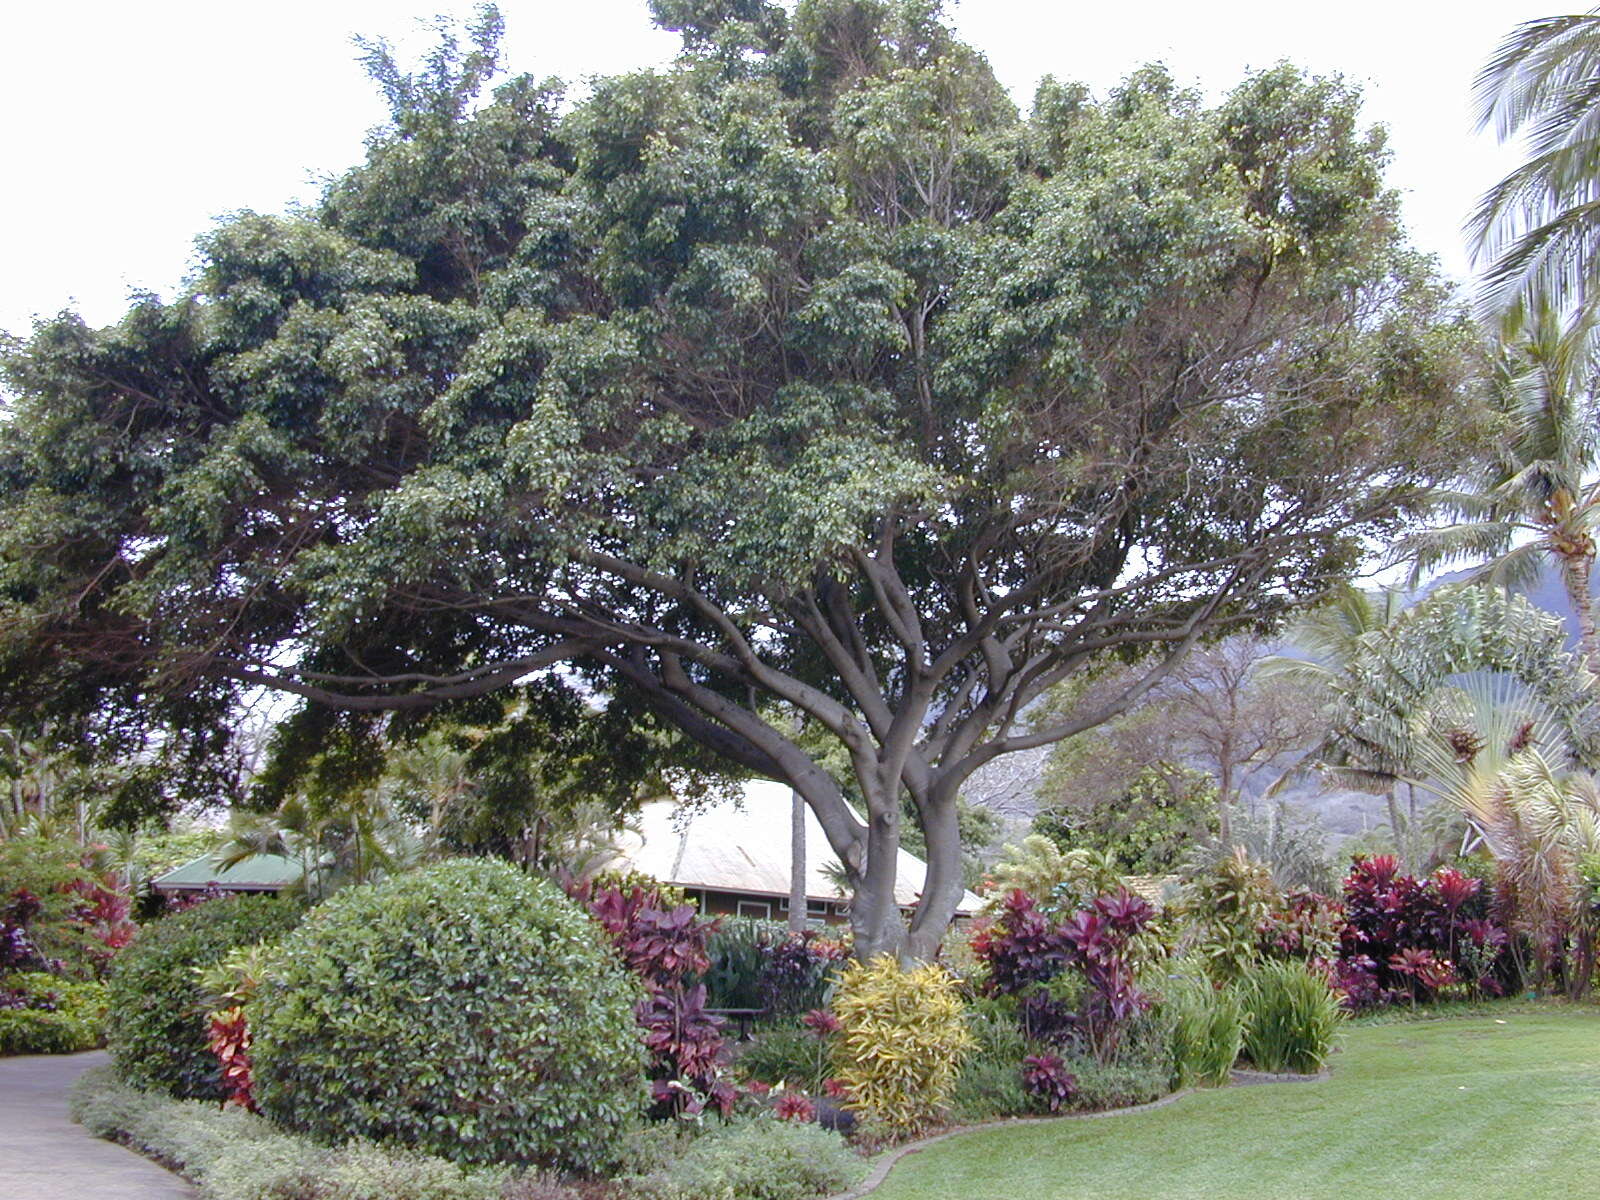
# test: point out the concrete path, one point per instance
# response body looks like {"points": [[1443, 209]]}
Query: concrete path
{"points": [[44, 1156]]}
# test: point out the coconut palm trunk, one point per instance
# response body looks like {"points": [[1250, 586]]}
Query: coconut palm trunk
{"points": [[1577, 564]]}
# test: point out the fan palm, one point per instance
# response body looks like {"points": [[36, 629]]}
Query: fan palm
{"points": [[1539, 499], [1539, 228], [1332, 635]]}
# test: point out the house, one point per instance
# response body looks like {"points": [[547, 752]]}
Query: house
{"points": [[257, 873], [732, 857]]}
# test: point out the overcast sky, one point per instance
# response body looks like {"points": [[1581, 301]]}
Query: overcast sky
{"points": [[129, 128]]}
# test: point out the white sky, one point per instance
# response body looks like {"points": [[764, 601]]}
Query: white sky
{"points": [[128, 128]]}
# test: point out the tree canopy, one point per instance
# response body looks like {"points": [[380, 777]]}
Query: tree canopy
{"points": [[805, 375]]}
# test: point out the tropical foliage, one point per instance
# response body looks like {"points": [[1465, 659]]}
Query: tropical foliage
{"points": [[900, 1043], [156, 1030], [663, 941], [1537, 228], [803, 375]]}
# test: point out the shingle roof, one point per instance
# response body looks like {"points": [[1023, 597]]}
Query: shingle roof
{"points": [[743, 846]]}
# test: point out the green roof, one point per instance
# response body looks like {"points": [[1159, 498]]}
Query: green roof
{"points": [[258, 873]]}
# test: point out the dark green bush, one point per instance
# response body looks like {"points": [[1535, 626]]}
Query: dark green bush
{"points": [[737, 949], [988, 1089], [59, 1016], [760, 1158], [233, 1155], [156, 1026], [990, 1083], [1139, 1071], [467, 1011]]}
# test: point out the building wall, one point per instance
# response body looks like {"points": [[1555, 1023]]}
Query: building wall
{"points": [[771, 908]]}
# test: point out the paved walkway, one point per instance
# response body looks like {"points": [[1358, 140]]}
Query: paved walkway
{"points": [[44, 1156]]}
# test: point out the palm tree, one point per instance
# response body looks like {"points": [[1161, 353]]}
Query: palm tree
{"points": [[1332, 635], [1538, 500], [1539, 228], [1502, 759]]}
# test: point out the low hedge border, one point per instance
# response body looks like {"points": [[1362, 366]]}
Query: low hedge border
{"points": [[230, 1154]]}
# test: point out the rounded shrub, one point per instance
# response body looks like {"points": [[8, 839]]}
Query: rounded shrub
{"points": [[156, 1027], [467, 1011]]}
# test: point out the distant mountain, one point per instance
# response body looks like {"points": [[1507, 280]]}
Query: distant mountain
{"points": [[1008, 786]]}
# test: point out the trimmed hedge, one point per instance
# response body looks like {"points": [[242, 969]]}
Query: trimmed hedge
{"points": [[156, 1029], [761, 1158], [467, 1011], [232, 1155]]}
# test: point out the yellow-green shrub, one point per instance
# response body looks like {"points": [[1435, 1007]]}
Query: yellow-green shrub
{"points": [[902, 1038]]}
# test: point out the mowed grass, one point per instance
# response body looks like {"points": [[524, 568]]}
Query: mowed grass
{"points": [[1453, 1108]]}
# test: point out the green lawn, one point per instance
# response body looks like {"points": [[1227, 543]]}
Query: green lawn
{"points": [[1465, 1107]]}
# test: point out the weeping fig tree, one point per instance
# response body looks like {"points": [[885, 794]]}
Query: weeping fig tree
{"points": [[805, 376]]}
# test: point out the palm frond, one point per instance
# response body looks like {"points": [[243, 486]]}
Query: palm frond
{"points": [[1533, 68]]}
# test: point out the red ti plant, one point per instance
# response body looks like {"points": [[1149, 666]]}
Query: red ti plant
{"points": [[104, 912], [1024, 950], [1020, 946], [795, 970], [228, 1037], [1046, 1077], [1455, 890], [1427, 973], [1098, 944], [794, 1106], [821, 1022], [664, 945], [1403, 937], [1386, 913]]}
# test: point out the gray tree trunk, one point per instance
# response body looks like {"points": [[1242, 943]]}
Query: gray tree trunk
{"points": [[1397, 827], [797, 862], [942, 886], [1225, 802]]}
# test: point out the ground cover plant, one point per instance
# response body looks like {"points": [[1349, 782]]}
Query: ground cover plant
{"points": [[753, 1158], [1434, 1109], [466, 1010], [234, 1155]]}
